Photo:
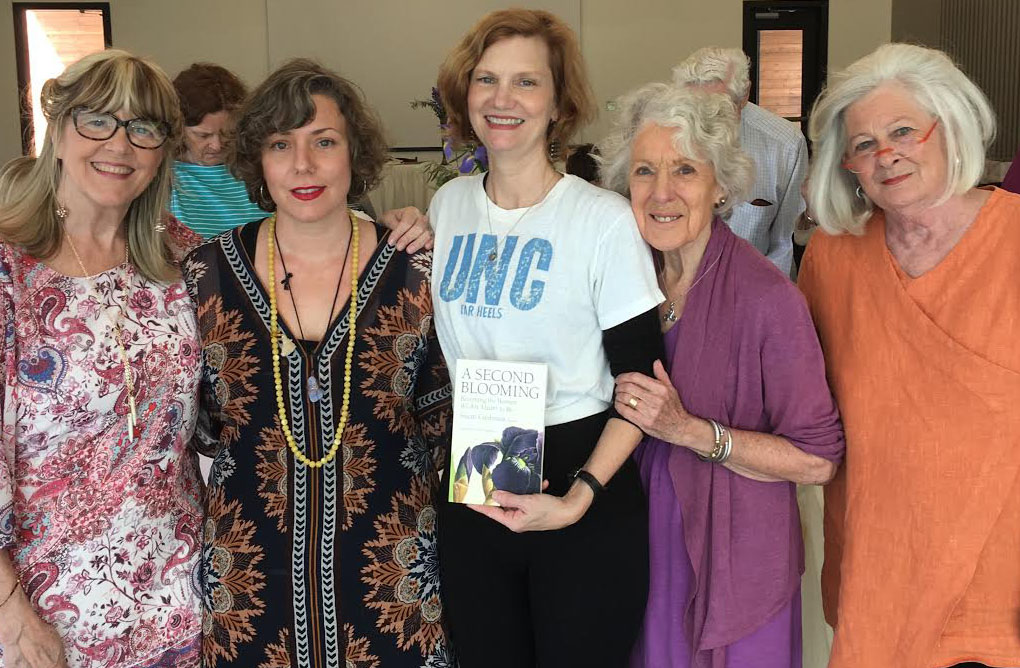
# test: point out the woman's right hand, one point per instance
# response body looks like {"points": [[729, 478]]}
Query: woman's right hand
{"points": [[28, 641]]}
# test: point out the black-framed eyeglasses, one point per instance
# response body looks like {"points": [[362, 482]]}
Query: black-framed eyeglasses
{"points": [[99, 126]]}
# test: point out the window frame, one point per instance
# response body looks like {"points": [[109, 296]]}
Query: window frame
{"points": [[21, 55]]}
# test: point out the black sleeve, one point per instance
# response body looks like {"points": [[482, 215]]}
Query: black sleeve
{"points": [[633, 345]]}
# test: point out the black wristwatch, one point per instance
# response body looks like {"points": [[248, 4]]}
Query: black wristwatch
{"points": [[590, 480]]}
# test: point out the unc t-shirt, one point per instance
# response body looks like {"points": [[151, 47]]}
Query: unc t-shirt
{"points": [[568, 268]]}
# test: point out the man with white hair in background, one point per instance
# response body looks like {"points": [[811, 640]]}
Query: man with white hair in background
{"points": [[776, 145]]}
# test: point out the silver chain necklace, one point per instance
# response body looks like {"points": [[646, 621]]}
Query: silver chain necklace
{"points": [[671, 314], [488, 217]]}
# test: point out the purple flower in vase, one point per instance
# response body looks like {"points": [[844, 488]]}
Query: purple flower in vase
{"points": [[447, 149], [467, 164], [482, 156]]}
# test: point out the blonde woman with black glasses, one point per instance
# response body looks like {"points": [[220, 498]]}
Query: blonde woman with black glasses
{"points": [[99, 496]]}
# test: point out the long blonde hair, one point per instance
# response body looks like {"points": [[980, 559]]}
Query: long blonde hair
{"points": [[104, 81]]}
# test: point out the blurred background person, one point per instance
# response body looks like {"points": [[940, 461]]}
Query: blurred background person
{"points": [[582, 164], [206, 197], [776, 146]]}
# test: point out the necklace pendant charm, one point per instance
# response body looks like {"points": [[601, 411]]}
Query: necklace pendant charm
{"points": [[314, 391], [492, 256], [671, 314]]}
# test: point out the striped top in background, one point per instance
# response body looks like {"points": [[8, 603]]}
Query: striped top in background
{"points": [[209, 200]]}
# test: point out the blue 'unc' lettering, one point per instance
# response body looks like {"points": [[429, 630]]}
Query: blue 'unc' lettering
{"points": [[544, 250], [495, 274], [448, 292]]}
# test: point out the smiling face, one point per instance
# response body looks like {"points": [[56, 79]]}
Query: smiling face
{"points": [[512, 97], [308, 169], [203, 143], [672, 196], [896, 179], [109, 173]]}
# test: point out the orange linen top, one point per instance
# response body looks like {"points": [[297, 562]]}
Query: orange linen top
{"points": [[922, 522]]}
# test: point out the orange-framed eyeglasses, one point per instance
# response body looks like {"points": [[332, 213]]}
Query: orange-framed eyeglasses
{"points": [[903, 140]]}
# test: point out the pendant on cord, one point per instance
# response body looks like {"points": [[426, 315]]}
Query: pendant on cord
{"points": [[314, 391]]}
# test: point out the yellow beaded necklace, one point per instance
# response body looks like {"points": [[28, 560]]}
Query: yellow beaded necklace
{"points": [[274, 336]]}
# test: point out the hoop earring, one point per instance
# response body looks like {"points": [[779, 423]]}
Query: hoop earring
{"points": [[265, 201], [860, 193]]}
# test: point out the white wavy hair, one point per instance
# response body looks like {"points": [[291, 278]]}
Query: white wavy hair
{"points": [[714, 64], [707, 129], [965, 118]]}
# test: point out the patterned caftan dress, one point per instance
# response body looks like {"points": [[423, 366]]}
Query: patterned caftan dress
{"points": [[334, 566]]}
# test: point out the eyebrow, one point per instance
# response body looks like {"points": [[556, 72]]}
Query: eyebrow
{"points": [[898, 119], [527, 73]]}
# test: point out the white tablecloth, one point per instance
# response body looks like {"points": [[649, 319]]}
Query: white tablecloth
{"points": [[402, 184]]}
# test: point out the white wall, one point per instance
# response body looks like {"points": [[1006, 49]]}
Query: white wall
{"points": [[625, 42]]}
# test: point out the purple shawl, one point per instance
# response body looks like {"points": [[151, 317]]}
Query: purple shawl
{"points": [[745, 353]]}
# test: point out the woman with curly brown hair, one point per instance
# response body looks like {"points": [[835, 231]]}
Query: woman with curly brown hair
{"points": [[324, 393]]}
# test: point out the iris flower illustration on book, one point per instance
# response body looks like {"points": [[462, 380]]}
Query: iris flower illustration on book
{"points": [[511, 464]]}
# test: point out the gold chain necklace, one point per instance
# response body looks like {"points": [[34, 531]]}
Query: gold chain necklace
{"points": [[129, 380], [274, 337]]}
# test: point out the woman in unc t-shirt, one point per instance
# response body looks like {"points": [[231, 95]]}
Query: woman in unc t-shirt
{"points": [[532, 265]]}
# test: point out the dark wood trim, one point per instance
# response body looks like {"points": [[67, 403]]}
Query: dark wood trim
{"points": [[812, 16], [414, 149], [21, 54]]}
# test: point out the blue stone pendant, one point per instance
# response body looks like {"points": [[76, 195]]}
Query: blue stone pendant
{"points": [[314, 391]]}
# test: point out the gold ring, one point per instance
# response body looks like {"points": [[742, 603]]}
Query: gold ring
{"points": [[633, 402]]}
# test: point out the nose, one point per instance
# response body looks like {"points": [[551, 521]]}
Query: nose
{"points": [[886, 157], [662, 191], [503, 98], [302, 158], [119, 141], [215, 143]]}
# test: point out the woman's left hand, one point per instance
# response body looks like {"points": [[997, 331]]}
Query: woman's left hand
{"points": [[652, 404], [537, 512], [409, 229]]}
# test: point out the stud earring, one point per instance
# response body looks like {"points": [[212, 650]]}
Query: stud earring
{"points": [[61, 212]]}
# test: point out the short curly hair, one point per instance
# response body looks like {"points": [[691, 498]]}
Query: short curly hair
{"points": [[283, 102], [706, 128], [575, 101], [204, 89]]}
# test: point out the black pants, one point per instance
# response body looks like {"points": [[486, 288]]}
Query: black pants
{"points": [[552, 599]]}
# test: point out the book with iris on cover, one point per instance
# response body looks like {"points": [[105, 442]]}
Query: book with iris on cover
{"points": [[498, 429]]}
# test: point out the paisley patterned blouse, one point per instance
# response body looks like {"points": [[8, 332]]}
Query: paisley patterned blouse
{"points": [[334, 566], [103, 531]]}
